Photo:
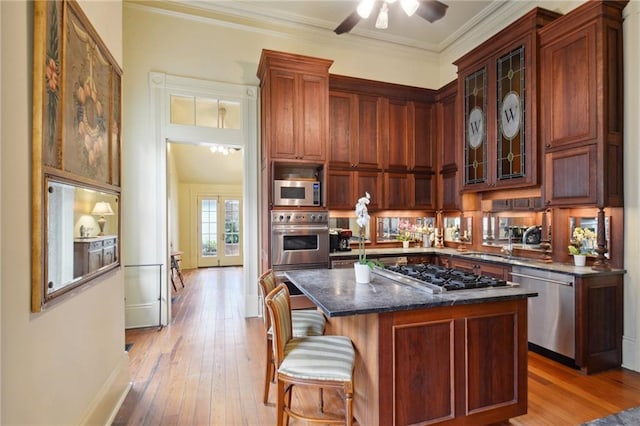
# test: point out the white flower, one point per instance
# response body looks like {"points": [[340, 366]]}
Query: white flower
{"points": [[362, 212], [362, 221]]}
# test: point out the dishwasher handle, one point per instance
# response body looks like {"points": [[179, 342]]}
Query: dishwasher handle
{"points": [[533, 277]]}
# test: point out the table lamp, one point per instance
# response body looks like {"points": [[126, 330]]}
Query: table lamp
{"points": [[102, 208]]}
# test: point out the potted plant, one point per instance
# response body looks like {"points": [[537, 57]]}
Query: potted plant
{"points": [[362, 266], [582, 243], [404, 233]]}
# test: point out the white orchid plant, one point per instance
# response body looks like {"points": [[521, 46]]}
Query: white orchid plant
{"points": [[362, 220]]}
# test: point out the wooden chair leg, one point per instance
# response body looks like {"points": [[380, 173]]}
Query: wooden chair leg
{"points": [[348, 404], [173, 282], [268, 372], [280, 404]]}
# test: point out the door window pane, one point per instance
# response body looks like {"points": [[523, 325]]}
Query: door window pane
{"points": [[232, 228], [182, 110], [209, 227]]}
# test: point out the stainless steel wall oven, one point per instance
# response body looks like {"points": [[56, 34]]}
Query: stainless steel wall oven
{"points": [[299, 239]]}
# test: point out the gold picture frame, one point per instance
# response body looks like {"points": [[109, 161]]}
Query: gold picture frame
{"points": [[76, 128]]}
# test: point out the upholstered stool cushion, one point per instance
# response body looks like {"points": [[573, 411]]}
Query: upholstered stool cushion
{"points": [[319, 358], [306, 322]]}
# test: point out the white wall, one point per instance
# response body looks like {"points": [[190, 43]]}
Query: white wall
{"points": [[65, 365]]}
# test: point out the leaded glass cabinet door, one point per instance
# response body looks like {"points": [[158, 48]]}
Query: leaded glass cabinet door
{"points": [[511, 152], [475, 109]]}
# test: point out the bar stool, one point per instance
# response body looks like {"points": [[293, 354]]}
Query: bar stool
{"points": [[306, 322], [312, 361]]}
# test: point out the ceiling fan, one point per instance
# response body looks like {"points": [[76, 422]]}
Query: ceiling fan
{"points": [[431, 10]]}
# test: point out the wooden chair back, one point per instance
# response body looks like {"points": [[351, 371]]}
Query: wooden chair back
{"points": [[267, 282], [279, 306]]}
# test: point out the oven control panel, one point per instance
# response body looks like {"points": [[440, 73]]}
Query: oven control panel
{"points": [[299, 217]]}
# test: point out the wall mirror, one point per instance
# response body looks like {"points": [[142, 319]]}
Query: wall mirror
{"points": [[414, 229], [586, 238], [521, 231], [338, 224], [453, 229], [82, 234]]}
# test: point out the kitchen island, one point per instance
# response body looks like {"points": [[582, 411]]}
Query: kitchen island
{"points": [[459, 357]]}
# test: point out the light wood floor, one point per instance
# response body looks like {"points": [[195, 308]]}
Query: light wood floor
{"points": [[206, 368]]}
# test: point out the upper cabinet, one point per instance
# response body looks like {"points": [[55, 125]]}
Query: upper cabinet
{"points": [[354, 140], [448, 145], [581, 100], [498, 107], [295, 106], [382, 138]]}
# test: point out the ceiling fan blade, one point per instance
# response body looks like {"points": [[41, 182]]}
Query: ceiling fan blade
{"points": [[348, 24], [431, 10]]}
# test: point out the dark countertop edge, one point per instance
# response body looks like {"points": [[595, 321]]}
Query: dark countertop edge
{"points": [[562, 268], [419, 306]]}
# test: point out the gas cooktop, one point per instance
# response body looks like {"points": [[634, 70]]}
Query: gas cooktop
{"points": [[438, 279]]}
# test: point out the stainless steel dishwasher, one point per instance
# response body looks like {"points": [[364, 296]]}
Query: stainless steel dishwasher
{"points": [[551, 317]]}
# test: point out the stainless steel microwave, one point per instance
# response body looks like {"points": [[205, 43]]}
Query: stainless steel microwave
{"points": [[296, 193]]}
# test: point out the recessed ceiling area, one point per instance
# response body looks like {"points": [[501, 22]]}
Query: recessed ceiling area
{"points": [[197, 164]]}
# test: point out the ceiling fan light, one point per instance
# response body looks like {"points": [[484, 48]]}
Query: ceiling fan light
{"points": [[409, 6], [383, 18], [365, 7]]}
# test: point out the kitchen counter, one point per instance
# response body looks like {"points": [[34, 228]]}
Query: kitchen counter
{"points": [[423, 358], [336, 293], [563, 268]]}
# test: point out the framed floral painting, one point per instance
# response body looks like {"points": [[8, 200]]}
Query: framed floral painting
{"points": [[76, 123]]}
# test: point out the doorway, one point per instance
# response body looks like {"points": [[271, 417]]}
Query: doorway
{"points": [[219, 231]]}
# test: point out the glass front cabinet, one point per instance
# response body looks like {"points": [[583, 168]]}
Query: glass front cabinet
{"points": [[499, 107]]}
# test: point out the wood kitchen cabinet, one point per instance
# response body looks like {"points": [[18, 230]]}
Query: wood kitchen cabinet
{"points": [[581, 99], [599, 322], [499, 107], [430, 366], [295, 106], [354, 141], [345, 187], [382, 130], [448, 188]]}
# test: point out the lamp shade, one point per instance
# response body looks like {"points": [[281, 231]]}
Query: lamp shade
{"points": [[102, 208]]}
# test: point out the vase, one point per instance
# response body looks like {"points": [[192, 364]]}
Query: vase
{"points": [[405, 244], [363, 273], [580, 259], [426, 242]]}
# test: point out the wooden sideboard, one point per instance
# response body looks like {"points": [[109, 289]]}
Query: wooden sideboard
{"points": [[91, 254]]}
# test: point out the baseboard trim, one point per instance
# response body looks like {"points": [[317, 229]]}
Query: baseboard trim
{"points": [[104, 407]]}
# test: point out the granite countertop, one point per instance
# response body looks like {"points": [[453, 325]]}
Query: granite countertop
{"points": [[336, 293], [563, 268]]}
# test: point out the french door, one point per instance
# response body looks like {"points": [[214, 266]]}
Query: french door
{"points": [[219, 231]]}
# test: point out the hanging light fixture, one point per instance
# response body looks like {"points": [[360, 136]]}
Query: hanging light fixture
{"points": [[383, 17], [365, 7], [409, 6]]}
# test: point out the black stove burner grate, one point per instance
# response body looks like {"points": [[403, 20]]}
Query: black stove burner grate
{"points": [[447, 278]]}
